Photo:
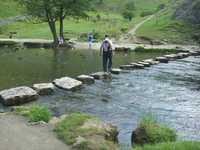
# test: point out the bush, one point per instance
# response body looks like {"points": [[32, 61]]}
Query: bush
{"points": [[127, 14], [39, 113], [139, 48], [68, 130], [146, 13], [35, 113], [172, 146], [150, 132]]}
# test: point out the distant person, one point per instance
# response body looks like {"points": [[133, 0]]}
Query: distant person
{"points": [[90, 40], [107, 50]]}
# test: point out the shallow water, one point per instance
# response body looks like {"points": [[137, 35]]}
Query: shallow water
{"points": [[169, 91], [28, 66]]}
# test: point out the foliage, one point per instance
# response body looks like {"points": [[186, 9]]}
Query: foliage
{"points": [[127, 14], [150, 131], [35, 113], [146, 13], [69, 129], [185, 145], [90, 138]]}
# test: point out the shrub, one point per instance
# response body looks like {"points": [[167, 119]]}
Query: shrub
{"points": [[127, 14], [39, 113], [68, 130], [35, 113], [139, 48], [146, 13], [185, 145], [150, 132]]}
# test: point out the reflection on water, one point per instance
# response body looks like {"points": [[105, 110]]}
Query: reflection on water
{"points": [[170, 91], [28, 66]]}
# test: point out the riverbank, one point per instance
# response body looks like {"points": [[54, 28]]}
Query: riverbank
{"points": [[42, 43]]}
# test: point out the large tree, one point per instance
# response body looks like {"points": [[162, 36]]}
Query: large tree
{"points": [[44, 10], [72, 8], [53, 10]]}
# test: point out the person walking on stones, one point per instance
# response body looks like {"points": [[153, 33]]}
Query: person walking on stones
{"points": [[106, 51]]}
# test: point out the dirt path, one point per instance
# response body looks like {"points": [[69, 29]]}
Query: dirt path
{"points": [[10, 20], [16, 134]]}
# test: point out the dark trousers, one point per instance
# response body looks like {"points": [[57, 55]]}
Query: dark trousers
{"points": [[107, 61]]}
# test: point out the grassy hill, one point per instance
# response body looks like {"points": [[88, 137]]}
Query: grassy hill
{"points": [[9, 8], [162, 27]]}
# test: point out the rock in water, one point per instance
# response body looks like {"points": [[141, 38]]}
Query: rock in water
{"points": [[68, 83], [162, 59], [116, 71], [86, 79], [19, 95], [101, 75], [44, 88]]}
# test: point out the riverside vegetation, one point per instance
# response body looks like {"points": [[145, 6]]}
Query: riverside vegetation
{"points": [[85, 132]]}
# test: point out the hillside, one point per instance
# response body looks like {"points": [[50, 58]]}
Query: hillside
{"points": [[172, 25], [162, 27], [9, 8]]}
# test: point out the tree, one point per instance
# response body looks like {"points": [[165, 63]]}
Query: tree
{"points": [[128, 14], [53, 10], [44, 10], [72, 8], [128, 11]]}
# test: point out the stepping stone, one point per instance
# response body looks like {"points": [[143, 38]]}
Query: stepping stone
{"points": [[67, 83], [151, 61], [162, 59], [18, 95], [101, 75], [194, 53], [182, 55], [127, 67], [44, 88], [137, 66], [145, 64], [171, 57], [86, 79], [116, 71]]}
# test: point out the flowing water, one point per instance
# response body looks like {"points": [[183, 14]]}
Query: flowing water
{"points": [[169, 91]]}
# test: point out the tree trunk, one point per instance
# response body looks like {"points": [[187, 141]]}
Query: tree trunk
{"points": [[52, 26], [62, 38]]}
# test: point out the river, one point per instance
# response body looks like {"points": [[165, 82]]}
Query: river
{"points": [[168, 91]]}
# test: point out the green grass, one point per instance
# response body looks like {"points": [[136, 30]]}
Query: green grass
{"points": [[93, 138], [69, 129], [35, 113], [150, 131], [9, 8], [164, 27], [185, 145]]}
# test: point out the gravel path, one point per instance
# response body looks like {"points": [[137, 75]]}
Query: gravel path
{"points": [[16, 134]]}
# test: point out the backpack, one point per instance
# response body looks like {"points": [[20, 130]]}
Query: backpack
{"points": [[106, 46]]}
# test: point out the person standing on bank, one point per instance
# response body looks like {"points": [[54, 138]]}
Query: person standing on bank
{"points": [[106, 51]]}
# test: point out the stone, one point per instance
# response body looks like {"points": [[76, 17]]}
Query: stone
{"points": [[171, 57], [138, 66], [18, 95], [151, 61], [194, 53], [67, 83], [182, 55], [145, 64], [44, 88], [162, 59], [101, 75], [86, 79], [127, 67], [116, 71]]}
